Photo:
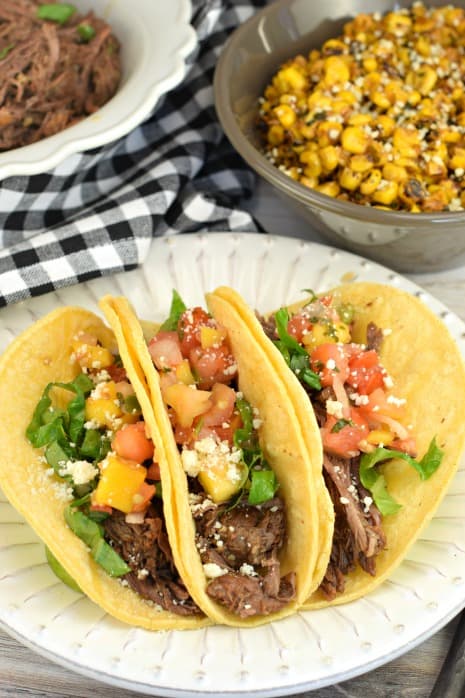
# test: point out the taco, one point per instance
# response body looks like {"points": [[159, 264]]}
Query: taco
{"points": [[78, 463], [245, 487], [386, 383]]}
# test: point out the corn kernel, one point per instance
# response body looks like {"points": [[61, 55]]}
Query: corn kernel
{"points": [[394, 172], [354, 139], [329, 158], [370, 64], [397, 24], [359, 120], [329, 188], [380, 99], [371, 183], [312, 163], [336, 70], [406, 141], [360, 163], [286, 115], [328, 133], [386, 193], [458, 159], [350, 180], [289, 79], [275, 134], [385, 125]]}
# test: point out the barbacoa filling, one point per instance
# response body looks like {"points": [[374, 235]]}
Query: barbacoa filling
{"points": [[56, 67], [239, 517], [146, 549], [98, 445], [360, 424]]}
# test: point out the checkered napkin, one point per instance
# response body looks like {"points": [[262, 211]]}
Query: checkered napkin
{"points": [[96, 213]]}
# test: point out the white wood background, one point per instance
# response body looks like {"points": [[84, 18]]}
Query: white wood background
{"points": [[23, 673]]}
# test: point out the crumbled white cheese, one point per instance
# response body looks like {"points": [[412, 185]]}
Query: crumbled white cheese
{"points": [[212, 456], [359, 399], [247, 570], [343, 500], [331, 364], [388, 382], [81, 471], [367, 501], [334, 408], [397, 401], [212, 570]]}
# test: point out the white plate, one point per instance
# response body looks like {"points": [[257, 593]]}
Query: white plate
{"points": [[155, 38], [303, 652]]}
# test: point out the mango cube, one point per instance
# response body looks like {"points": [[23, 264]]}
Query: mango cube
{"points": [[222, 480], [187, 402], [102, 406], [211, 336], [91, 355], [120, 481], [184, 373]]}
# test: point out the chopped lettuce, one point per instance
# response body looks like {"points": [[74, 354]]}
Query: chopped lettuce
{"points": [[374, 481]]}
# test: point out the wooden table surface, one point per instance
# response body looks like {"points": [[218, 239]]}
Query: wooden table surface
{"points": [[24, 673]]}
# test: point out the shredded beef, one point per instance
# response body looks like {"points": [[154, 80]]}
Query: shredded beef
{"points": [[50, 78], [268, 325], [244, 542], [246, 596], [146, 549], [374, 337], [358, 534]]}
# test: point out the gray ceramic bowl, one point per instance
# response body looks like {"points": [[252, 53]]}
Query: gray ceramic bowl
{"points": [[405, 241]]}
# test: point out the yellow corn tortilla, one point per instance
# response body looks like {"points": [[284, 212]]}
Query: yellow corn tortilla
{"points": [[284, 445], [427, 369], [38, 356]]}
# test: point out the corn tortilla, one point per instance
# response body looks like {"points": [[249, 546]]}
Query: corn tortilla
{"points": [[282, 439], [40, 355], [428, 370]]}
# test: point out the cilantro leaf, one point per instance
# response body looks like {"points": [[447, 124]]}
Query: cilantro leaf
{"points": [[294, 354], [176, 310]]}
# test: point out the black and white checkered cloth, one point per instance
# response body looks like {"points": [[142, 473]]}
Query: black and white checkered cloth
{"points": [[96, 213]]}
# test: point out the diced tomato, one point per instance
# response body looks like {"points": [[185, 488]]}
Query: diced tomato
{"points": [[189, 325], [184, 435], [165, 350], [378, 405], [345, 441], [101, 507], [143, 497], [365, 372], [117, 373], [408, 446], [212, 365], [223, 399], [298, 326], [328, 359], [131, 443], [124, 387], [225, 431], [153, 472], [326, 300]]}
